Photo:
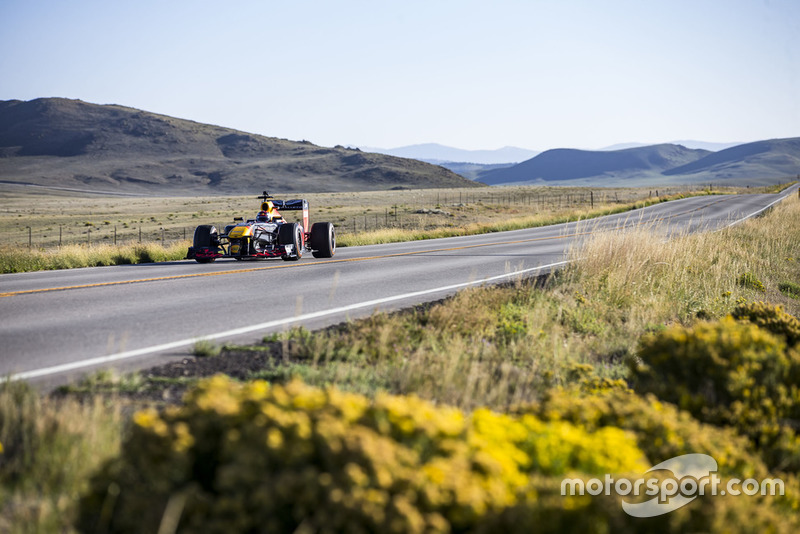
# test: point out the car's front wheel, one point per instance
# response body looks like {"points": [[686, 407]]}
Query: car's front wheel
{"points": [[291, 234], [205, 237]]}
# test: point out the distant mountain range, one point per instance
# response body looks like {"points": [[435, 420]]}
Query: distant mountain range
{"points": [[438, 154], [630, 164], [689, 143], [756, 163], [70, 144]]}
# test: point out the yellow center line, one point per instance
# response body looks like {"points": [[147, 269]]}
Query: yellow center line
{"points": [[324, 262]]}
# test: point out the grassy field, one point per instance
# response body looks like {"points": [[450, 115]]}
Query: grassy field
{"points": [[64, 231], [54, 215], [577, 331]]}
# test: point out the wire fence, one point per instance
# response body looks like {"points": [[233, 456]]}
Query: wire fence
{"points": [[414, 212], [112, 235]]}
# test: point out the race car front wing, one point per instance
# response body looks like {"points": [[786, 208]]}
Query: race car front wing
{"points": [[212, 254]]}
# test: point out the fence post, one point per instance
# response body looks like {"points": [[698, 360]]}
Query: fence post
{"points": [[59, 234], [115, 235], [140, 234], [30, 237], [591, 195], [89, 237]]}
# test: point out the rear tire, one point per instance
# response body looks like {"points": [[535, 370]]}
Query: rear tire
{"points": [[291, 234], [323, 240], [205, 236]]}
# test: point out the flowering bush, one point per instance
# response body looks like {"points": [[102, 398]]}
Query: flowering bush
{"points": [[662, 430], [256, 457], [731, 373], [771, 318]]}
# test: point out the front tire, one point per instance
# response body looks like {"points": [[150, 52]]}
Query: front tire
{"points": [[323, 240], [291, 234], [205, 236]]}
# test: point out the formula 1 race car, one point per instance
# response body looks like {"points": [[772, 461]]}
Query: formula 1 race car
{"points": [[266, 236]]}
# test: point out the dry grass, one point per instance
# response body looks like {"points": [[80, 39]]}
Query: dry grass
{"points": [[696, 275], [419, 230]]}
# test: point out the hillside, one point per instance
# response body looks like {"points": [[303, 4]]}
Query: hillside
{"points": [[568, 164], [757, 163], [772, 158], [688, 143], [71, 144]]}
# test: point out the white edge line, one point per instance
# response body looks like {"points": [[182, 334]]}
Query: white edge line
{"points": [[37, 373], [765, 208]]}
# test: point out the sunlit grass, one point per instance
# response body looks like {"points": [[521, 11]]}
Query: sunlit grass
{"points": [[15, 259], [550, 217]]}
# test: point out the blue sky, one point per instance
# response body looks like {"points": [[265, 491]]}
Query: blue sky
{"points": [[537, 74]]}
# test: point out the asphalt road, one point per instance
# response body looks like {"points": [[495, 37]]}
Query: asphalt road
{"points": [[57, 325]]}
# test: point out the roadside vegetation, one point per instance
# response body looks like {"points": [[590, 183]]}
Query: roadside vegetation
{"points": [[17, 260], [462, 415]]}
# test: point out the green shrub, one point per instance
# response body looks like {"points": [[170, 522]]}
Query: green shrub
{"points": [[206, 349], [729, 373], [790, 289], [750, 281], [239, 458]]}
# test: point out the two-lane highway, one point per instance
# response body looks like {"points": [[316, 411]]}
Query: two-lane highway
{"points": [[59, 323]]}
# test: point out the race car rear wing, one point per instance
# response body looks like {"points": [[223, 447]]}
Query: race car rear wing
{"points": [[297, 204], [294, 204]]}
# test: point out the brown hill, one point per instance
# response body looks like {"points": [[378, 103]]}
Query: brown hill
{"points": [[71, 144]]}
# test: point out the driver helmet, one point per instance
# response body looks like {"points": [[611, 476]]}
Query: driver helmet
{"points": [[262, 217]]}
